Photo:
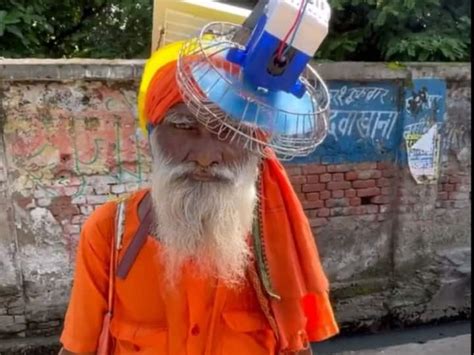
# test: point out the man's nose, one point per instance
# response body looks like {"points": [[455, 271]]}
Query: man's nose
{"points": [[206, 154]]}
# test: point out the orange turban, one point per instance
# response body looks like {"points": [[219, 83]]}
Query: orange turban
{"points": [[302, 311]]}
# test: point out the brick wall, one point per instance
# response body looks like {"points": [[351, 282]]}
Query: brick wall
{"points": [[395, 252], [343, 190]]}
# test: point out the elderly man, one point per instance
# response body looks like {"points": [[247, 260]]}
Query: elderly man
{"points": [[216, 257]]}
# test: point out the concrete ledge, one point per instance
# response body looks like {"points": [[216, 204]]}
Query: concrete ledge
{"points": [[124, 70]]}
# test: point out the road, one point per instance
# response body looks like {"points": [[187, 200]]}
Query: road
{"points": [[446, 339]]}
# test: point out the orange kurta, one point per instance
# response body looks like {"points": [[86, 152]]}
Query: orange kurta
{"points": [[199, 317]]}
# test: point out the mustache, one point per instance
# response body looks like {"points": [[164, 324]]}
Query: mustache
{"points": [[184, 171]]}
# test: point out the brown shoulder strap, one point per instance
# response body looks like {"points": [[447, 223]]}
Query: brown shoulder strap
{"points": [[138, 240]]}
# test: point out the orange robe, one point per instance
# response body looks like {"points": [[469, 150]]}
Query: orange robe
{"points": [[199, 317]]}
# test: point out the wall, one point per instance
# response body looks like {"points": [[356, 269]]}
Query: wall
{"points": [[396, 252]]}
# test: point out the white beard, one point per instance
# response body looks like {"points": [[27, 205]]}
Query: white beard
{"points": [[206, 223]]}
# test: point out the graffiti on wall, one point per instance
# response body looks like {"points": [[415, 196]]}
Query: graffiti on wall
{"points": [[423, 112], [60, 137], [370, 121], [363, 123]]}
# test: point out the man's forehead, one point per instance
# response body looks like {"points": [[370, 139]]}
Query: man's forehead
{"points": [[179, 113]]}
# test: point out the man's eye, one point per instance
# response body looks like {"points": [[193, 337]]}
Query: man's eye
{"points": [[185, 126]]}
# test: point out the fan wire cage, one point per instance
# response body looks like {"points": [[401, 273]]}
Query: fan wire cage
{"points": [[288, 134]]}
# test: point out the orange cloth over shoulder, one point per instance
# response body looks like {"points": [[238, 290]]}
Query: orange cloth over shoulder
{"points": [[304, 312]]}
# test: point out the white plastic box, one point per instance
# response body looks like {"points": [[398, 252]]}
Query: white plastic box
{"points": [[312, 30]]}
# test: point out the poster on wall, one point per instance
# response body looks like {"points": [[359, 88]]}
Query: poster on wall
{"points": [[424, 119], [423, 155]]}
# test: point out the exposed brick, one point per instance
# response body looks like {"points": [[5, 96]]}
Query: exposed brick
{"points": [[43, 202], [86, 210], [25, 202], [96, 199], [384, 165], [301, 196], [313, 179], [324, 212], [387, 191], [78, 219], [324, 195], [297, 188], [72, 229], [311, 213], [388, 173], [293, 170], [454, 179], [443, 179], [351, 176], [85, 190], [338, 177], [351, 193], [313, 196], [369, 174], [118, 189], [365, 166], [101, 180], [339, 202], [363, 184], [308, 205], [372, 191], [71, 190], [79, 200], [339, 168], [318, 222], [325, 177], [385, 208], [313, 187], [380, 200], [443, 195], [132, 186], [102, 189], [384, 182], [458, 196], [338, 194], [63, 209], [40, 193], [314, 169], [355, 201], [340, 185], [449, 187], [298, 180]]}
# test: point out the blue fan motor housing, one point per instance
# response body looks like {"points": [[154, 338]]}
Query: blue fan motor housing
{"points": [[259, 58]]}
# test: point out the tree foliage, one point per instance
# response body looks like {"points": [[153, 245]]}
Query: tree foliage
{"points": [[399, 30], [75, 28], [361, 30]]}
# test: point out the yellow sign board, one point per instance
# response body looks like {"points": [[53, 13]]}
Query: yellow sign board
{"points": [[175, 20]]}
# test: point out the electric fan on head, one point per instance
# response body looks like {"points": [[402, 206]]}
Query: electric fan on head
{"points": [[264, 93]]}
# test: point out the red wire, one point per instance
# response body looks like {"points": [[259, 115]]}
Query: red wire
{"points": [[292, 28]]}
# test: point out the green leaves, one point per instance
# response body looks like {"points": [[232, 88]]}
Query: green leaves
{"points": [[76, 28], [399, 30], [360, 30]]}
